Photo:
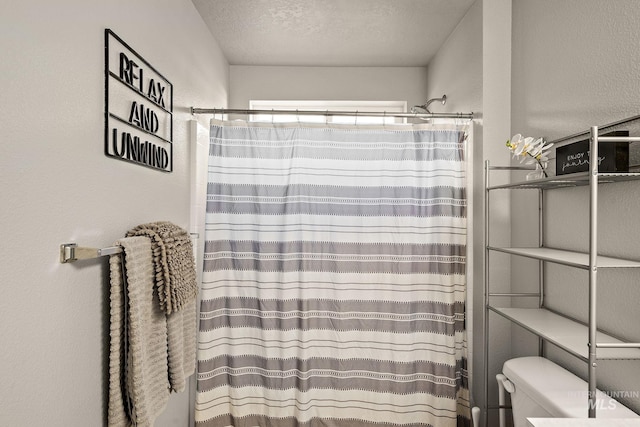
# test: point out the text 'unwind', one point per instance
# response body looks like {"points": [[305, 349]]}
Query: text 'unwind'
{"points": [[130, 147]]}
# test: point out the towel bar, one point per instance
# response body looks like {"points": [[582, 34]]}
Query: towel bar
{"points": [[70, 252]]}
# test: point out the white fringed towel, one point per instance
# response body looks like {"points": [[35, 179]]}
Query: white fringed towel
{"points": [[138, 381]]}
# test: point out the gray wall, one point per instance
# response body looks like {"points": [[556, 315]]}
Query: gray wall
{"points": [[58, 186], [456, 70], [575, 64], [327, 83]]}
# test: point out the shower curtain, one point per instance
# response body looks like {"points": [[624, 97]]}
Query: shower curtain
{"points": [[333, 290]]}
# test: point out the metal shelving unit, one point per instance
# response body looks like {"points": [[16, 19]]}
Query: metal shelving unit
{"points": [[579, 339]]}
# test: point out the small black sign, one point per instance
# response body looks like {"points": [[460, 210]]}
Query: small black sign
{"points": [[612, 156], [138, 108]]}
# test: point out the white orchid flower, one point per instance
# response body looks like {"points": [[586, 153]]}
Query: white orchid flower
{"points": [[529, 150], [539, 149]]}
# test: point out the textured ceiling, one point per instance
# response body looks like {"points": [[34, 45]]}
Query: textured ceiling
{"points": [[331, 32]]}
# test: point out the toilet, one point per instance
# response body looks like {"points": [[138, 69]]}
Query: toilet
{"points": [[541, 389]]}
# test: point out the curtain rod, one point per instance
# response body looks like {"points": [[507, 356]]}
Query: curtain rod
{"points": [[214, 111]]}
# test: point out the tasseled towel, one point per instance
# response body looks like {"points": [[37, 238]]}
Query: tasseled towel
{"points": [[138, 383], [174, 264], [177, 288]]}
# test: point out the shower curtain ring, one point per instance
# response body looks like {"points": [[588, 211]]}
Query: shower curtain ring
{"points": [[356, 122]]}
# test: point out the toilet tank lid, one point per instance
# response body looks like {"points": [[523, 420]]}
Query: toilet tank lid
{"points": [[559, 391]]}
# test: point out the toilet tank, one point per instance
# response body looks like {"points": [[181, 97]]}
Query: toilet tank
{"points": [[546, 390]]}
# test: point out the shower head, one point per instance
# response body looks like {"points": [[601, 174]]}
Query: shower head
{"points": [[425, 107]]}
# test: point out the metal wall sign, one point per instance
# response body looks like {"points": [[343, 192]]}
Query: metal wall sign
{"points": [[138, 108]]}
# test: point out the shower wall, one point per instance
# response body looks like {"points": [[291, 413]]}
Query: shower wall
{"points": [[58, 186]]}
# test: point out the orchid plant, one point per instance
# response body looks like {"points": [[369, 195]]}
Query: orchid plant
{"points": [[530, 150]]}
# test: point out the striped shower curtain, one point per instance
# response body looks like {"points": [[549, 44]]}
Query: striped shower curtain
{"points": [[333, 290]]}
